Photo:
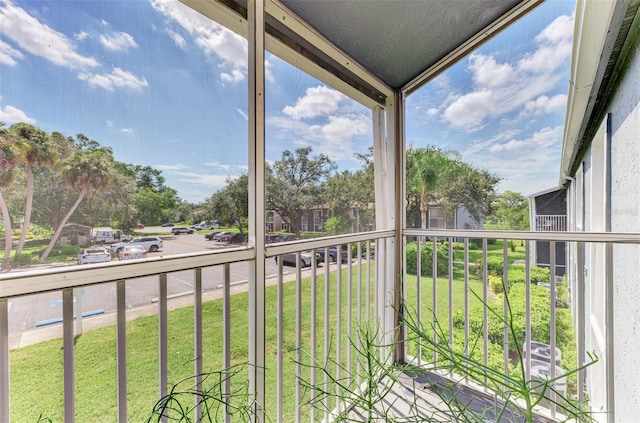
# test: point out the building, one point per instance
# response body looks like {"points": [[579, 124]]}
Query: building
{"points": [[601, 171]]}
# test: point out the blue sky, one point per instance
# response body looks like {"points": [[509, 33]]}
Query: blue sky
{"points": [[165, 87]]}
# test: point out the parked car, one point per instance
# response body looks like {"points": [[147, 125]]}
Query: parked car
{"points": [[333, 253], [131, 252], [181, 230], [290, 259], [140, 226], [200, 226], [209, 236], [167, 225], [150, 243], [222, 236], [94, 255], [110, 236], [238, 239]]}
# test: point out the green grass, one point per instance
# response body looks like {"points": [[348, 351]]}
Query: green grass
{"points": [[37, 372]]}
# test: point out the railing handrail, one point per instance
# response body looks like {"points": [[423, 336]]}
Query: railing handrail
{"points": [[36, 281], [564, 236], [311, 244]]}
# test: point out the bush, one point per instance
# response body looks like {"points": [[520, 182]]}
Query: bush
{"points": [[426, 259], [24, 260]]}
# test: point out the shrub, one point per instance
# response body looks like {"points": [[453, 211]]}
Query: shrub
{"points": [[426, 259]]}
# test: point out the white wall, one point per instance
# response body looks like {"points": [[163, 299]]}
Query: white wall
{"points": [[591, 186], [625, 217]]}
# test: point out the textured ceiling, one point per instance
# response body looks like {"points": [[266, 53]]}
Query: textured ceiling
{"points": [[397, 40]]}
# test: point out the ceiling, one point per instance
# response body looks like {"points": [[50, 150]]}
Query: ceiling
{"points": [[400, 44]]}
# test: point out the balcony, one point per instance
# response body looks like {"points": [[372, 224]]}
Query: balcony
{"points": [[313, 329]]}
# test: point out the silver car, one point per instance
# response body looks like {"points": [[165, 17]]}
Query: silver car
{"points": [[131, 252]]}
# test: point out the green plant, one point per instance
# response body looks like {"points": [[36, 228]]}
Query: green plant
{"points": [[426, 258], [185, 396]]}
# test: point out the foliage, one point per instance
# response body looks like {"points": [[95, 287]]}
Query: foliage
{"points": [[295, 184], [511, 211], [426, 259], [231, 203], [185, 395], [336, 225], [436, 176]]}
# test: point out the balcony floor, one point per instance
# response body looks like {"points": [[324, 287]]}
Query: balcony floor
{"points": [[422, 398]]}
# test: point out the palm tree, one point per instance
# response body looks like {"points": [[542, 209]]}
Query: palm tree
{"points": [[425, 167], [86, 172], [40, 150], [11, 155]]}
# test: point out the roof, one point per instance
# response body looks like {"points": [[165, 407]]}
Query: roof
{"points": [[372, 47], [603, 38]]}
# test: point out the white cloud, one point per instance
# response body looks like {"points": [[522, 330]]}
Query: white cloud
{"points": [[11, 115], [40, 40], [110, 123], [211, 37], [501, 88], [243, 114], [8, 54], [118, 78], [544, 104], [81, 36], [489, 73], [118, 41], [230, 169], [542, 139], [172, 167], [317, 101], [178, 39], [127, 130]]}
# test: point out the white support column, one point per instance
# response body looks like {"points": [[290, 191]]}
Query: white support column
{"points": [[385, 134], [255, 18]]}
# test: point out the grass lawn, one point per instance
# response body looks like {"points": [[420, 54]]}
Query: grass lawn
{"points": [[37, 371]]}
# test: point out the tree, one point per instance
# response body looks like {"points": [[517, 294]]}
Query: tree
{"points": [[426, 168], [11, 155], [437, 176], [86, 172], [231, 203], [40, 150], [295, 184], [511, 211]]}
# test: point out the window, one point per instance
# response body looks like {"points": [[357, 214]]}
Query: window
{"points": [[304, 223], [436, 218], [318, 221]]}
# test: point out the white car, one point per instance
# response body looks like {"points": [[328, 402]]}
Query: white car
{"points": [[94, 255], [131, 252], [150, 243]]}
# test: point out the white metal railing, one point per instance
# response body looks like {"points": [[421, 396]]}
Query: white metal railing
{"points": [[581, 248], [550, 223], [350, 294]]}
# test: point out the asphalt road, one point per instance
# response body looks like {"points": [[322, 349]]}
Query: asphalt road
{"points": [[42, 310]]}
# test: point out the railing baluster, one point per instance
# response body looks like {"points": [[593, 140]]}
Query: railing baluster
{"points": [[505, 304], [162, 338], [434, 304], [368, 277], [349, 307], [68, 347], [121, 345], [197, 340], [580, 311], [314, 311], [298, 336], [527, 288], [226, 333], [466, 297], [326, 328], [419, 292], [552, 324], [339, 321], [4, 360], [279, 336], [451, 293], [485, 299]]}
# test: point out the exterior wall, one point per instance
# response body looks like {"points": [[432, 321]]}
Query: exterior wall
{"points": [[625, 217], [622, 194]]}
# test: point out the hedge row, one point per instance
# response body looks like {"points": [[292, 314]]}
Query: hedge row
{"points": [[426, 259]]}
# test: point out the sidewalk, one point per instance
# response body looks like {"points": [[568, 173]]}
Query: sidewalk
{"points": [[176, 301]]}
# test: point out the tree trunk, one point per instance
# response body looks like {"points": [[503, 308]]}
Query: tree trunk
{"points": [[65, 219], [27, 209], [423, 209], [7, 233]]}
